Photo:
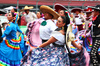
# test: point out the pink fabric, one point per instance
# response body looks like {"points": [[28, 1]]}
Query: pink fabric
{"points": [[34, 36], [87, 60]]}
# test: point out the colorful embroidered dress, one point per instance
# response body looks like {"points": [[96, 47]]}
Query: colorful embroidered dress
{"points": [[10, 53], [34, 34], [50, 56]]}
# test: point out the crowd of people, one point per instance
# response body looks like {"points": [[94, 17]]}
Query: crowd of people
{"points": [[52, 38]]}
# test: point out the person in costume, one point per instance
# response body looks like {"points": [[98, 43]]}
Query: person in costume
{"points": [[10, 53], [47, 26], [86, 37], [29, 16], [95, 35], [34, 34], [78, 19], [56, 55], [58, 7], [88, 18]]}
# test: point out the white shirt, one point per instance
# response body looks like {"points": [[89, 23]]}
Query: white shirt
{"points": [[78, 20], [60, 37], [45, 31], [30, 17]]}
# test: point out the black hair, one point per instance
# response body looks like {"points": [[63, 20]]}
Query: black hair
{"points": [[12, 14], [66, 20], [66, 14], [15, 9]]}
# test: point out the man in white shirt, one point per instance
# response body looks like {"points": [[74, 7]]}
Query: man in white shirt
{"points": [[29, 16], [47, 26], [78, 19]]}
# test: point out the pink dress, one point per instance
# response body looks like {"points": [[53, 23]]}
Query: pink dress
{"points": [[34, 36]]}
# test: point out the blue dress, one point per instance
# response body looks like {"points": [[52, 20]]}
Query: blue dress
{"points": [[10, 53]]}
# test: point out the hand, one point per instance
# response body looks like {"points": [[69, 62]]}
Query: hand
{"points": [[31, 48], [80, 47]]}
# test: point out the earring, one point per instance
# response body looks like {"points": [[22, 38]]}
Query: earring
{"points": [[62, 28]]}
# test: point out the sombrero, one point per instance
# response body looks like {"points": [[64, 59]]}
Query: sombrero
{"points": [[59, 6], [69, 36], [96, 7], [88, 10], [47, 9], [76, 9], [27, 8]]}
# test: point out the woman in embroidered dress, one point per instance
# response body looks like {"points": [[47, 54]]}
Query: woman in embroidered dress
{"points": [[10, 53], [55, 55]]}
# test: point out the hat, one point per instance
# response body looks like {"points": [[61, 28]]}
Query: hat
{"points": [[88, 10], [96, 7], [27, 8], [2, 11], [59, 6], [47, 9], [69, 36], [76, 9]]}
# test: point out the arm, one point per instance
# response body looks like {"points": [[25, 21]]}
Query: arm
{"points": [[77, 46], [7, 31], [83, 18], [18, 29], [51, 40]]}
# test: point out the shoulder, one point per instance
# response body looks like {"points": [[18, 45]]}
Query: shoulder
{"points": [[61, 31], [50, 22], [57, 34], [10, 24]]}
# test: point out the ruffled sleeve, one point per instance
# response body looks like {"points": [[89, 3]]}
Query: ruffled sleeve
{"points": [[7, 31], [57, 35]]}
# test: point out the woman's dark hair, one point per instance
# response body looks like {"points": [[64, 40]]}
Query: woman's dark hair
{"points": [[66, 14], [66, 20], [13, 15], [15, 9]]}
